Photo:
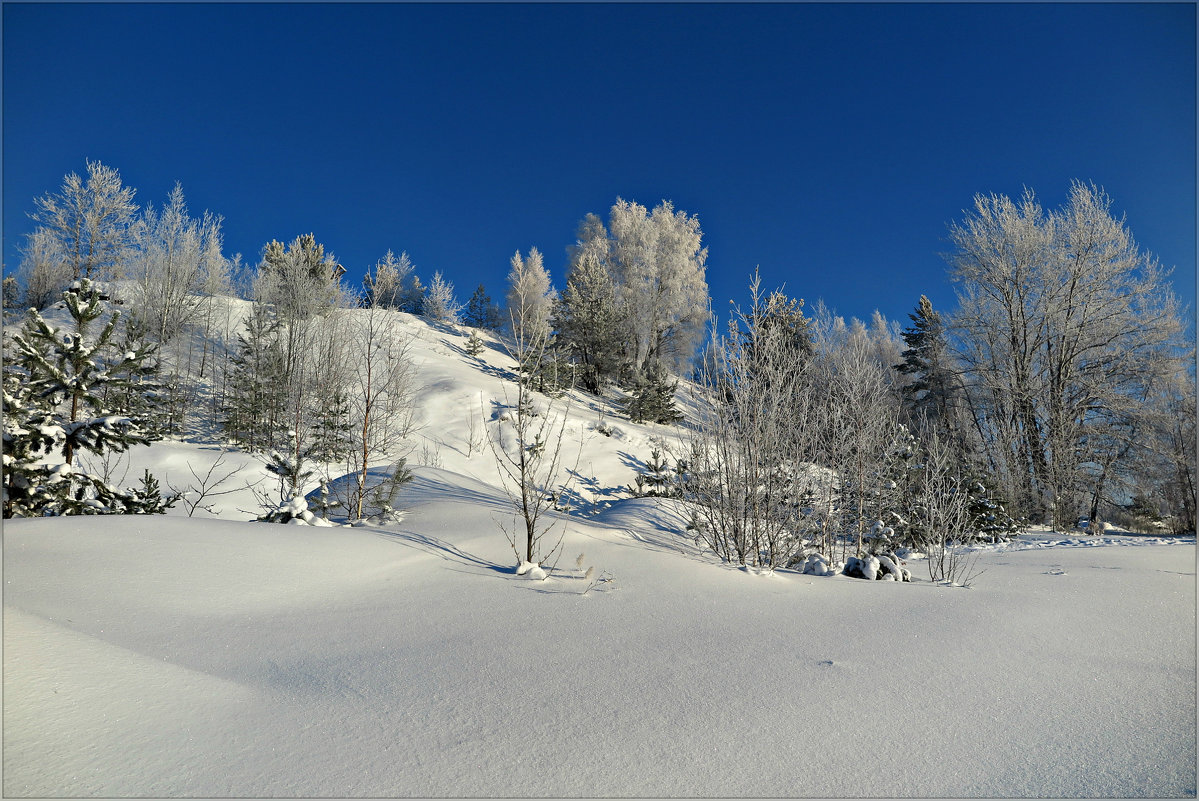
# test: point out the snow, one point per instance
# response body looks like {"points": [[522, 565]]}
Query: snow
{"points": [[209, 656]]}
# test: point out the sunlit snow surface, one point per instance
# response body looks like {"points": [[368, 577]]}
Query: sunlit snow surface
{"points": [[214, 657], [169, 657]]}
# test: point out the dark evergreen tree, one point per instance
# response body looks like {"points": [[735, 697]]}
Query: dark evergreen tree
{"points": [[652, 400], [257, 394], [481, 312], [135, 389], [929, 397], [331, 431], [548, 369], [148, 499], [989, 518], [590, 325]]}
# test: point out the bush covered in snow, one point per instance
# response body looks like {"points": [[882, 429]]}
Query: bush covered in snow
{"points": [[877, 567]]}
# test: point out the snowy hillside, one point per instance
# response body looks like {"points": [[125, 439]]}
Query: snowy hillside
{"points": [[209, 656]]}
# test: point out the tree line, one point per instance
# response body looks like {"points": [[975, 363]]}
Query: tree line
{"points": [[1060, 388]]}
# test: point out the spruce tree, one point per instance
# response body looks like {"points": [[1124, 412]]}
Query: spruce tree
{"points": [[481, 312], [590, 324], [474, 345], [254, 404], [331, 431], [135, 389], [652, 399], [54, 385], [929, 396]]}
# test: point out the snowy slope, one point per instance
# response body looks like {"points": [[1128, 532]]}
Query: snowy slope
{"points": [[214, 657], [183, 657]]}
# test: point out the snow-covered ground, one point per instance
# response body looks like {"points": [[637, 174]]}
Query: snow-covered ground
{"points": [[168, 656]]}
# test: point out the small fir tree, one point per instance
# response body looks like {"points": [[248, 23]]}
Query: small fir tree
{"points": [[474, 345], [481, 312], [54, 386], [652, 400], [148, 499]]}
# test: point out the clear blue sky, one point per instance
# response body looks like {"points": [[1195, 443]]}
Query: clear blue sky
{"points": [[828, 143]]}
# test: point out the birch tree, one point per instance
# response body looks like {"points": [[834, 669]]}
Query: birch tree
{"points": [[177, 258], [89, 221], [1063, 323], [527, 444], [379, 394], [658, 262]]}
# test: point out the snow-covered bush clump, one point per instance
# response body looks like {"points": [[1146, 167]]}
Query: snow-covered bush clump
{"points": [[533, 571], [818, 565], [877, 567], [294, 512]]}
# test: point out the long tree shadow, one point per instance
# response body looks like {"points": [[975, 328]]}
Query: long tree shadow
{"points": [[447, 551]]}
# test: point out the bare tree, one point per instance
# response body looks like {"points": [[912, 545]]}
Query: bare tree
{"points": [[379, 394], [527, 445], [748, 460]]}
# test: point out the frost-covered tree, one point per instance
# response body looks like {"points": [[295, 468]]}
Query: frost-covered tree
{"points": [[1064, 324], [865, 423], [300, 279], [530, 298], [530, 307], [88, 222], [11, 293], [658, 262], [440, 304], [753, 436], [45, 271], [378, 389], [177, 259], [385, 286]]}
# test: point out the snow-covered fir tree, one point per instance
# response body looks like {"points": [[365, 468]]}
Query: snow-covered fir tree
{"points": [[53, 388]]}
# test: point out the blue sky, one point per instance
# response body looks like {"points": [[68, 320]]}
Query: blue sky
{"points": [[829, 144]]}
